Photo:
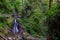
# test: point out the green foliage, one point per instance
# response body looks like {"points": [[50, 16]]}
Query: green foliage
{"points": [[2, 22], [35, 23], [35, 17], [53, 10], [7, 6], [1, 25]]}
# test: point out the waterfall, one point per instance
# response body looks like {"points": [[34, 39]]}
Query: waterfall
{"points": [[15, 26]]}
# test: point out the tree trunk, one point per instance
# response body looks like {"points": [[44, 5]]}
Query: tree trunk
{"points": [[50, 3]]}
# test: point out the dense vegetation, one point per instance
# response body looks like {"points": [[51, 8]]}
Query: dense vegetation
{"points": [[35, 15]]}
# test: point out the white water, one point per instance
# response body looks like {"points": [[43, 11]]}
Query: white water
{"points": [[15, 27]]}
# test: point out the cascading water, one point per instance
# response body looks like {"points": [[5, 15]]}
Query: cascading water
{"points": [[15, 26]]}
